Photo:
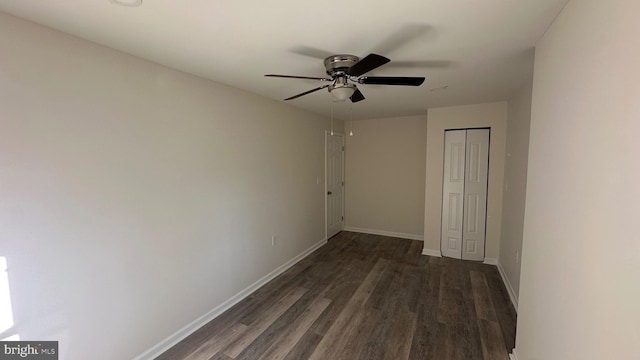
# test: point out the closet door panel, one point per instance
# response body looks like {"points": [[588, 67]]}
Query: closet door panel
{"points": [[453, 193], [475, 194]]}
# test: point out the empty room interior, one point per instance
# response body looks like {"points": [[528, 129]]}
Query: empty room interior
{"points": [[217, 180]]}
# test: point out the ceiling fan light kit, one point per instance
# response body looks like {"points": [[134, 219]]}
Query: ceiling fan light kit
{"points": [[346, 71], [342, 93], [341, 89]]}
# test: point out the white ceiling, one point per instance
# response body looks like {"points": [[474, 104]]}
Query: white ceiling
{"points": [[481, 49]]}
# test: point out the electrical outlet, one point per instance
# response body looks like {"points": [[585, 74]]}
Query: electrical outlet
{"points": [[517, 257], [273, 240]]}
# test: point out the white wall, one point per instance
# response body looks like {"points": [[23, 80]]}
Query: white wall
{"points": [[492, 115], [515, 186], [135, 198], [580, 288], [385, 170]]}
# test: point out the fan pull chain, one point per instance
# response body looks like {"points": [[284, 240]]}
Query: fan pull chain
{"points": [[332, 118], [351, 120]]}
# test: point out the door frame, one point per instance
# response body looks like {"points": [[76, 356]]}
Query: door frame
{"points": [[326, 209]]}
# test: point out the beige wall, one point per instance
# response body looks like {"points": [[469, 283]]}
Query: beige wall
{"points": [[493, 115], [515, 186], [385, 170], [580, 288], [135, 198]]}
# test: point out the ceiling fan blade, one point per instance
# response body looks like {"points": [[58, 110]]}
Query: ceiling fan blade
{"points": [[307, 92], [298, 77], [367, 64], [357, 96], [391, 80], [310, 52], [402, 37], [424, 64]]}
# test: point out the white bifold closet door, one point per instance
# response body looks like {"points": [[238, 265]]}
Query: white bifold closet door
{"points": [[464, 195]]}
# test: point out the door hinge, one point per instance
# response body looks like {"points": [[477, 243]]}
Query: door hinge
{"points": [[343, 218], [343, 183], [343, 148]]}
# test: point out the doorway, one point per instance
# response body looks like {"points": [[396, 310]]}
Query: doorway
{"points": [[464, 193], [334, 183]]}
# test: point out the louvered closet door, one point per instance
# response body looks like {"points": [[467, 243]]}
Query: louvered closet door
{"points": [[475, 194]]}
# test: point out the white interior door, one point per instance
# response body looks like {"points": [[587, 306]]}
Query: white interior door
{"points": [[453, 193], [475, 194], [334, 174], [464, 193]]}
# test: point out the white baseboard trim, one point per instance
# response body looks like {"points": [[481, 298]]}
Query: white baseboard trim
{"points": [[385, 233], [513, 355], [490, 261], [179, 335], [430, 252], [507, 284]]}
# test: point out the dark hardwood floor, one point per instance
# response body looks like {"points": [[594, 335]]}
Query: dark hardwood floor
{"points": [[365, 297]]}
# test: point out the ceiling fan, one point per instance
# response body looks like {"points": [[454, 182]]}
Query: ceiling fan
{"points": [[347, 70]]}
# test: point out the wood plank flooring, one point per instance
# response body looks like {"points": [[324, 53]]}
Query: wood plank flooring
{"points": [[365, 297]]}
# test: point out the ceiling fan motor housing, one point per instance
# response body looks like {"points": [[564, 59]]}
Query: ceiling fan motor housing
{"points": [[339, 64]]}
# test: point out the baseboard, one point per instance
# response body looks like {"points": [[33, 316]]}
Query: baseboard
{"points": [[513, 355], [507, 284], [179, 335], [430, 252], [384, 233], [490, 261]]}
